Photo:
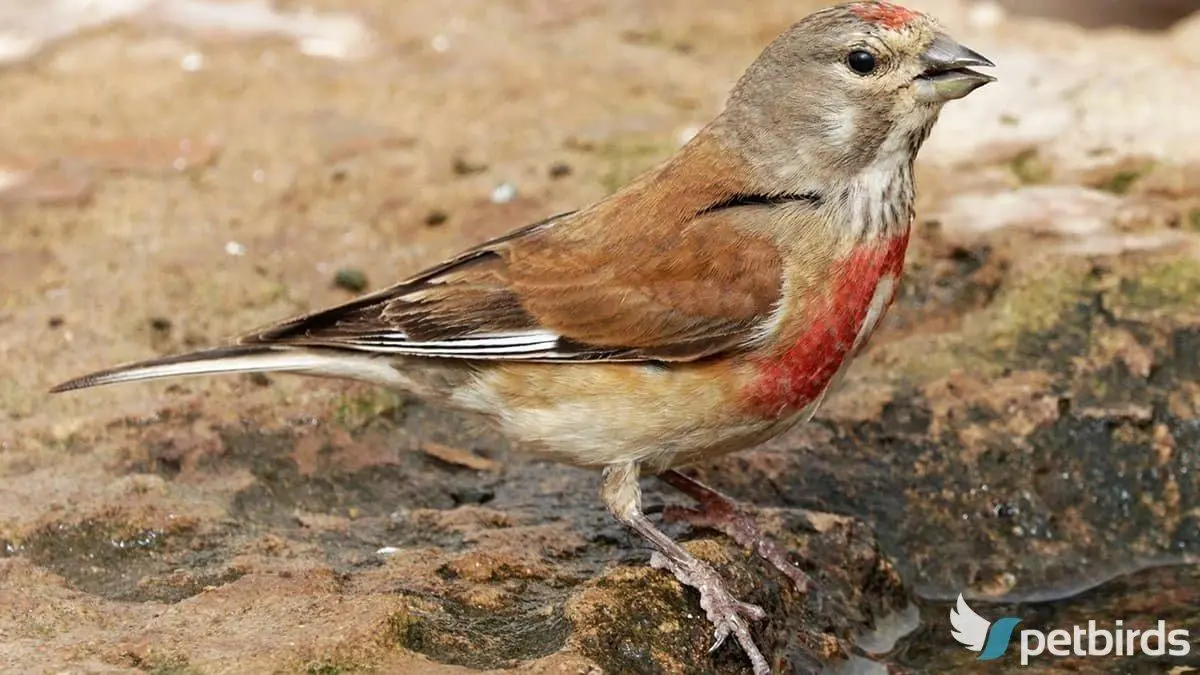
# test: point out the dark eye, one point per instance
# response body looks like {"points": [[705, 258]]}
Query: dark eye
{"points": [[861, 62]]}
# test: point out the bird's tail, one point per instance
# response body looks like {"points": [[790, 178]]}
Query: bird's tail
{"points": [[235, 359]]}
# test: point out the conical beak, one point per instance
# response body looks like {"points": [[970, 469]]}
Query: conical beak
{"points": [[948, 75]]}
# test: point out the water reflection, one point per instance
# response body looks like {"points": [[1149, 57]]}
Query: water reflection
{"points": [[1161, 590]]}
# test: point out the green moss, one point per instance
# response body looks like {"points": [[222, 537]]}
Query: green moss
{"points": [[1030, 168], [459, 634], [172, 669], [1037, 305], [357, 410], [398, 625], [1123, 181], [1120, 182], [165, 664], [1193, 219], [16, 400], [351, 279], [1034, 323], [1049, 318], [1163, 288]]}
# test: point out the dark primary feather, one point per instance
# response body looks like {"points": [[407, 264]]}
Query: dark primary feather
{"points": [[460, 300]]}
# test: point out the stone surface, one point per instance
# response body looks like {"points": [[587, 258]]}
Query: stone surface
{"points": [[1023, 430]]}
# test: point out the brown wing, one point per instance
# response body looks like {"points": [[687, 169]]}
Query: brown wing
{"points": [[564, 290]]}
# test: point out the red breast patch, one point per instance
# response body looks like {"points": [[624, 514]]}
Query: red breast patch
{"points": [[884, 14], [797, 377]]}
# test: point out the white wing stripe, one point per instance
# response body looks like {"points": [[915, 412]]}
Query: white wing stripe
{"points": [[487, 341], [495, 339], [472, 346], [485, 346], [433, 348]]}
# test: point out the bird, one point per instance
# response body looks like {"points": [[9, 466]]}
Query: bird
{"points": [[703, 308]]}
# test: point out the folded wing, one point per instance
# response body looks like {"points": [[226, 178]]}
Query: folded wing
{"points": [[564, 290]]}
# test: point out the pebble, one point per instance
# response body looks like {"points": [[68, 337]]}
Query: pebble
{"points": [[465, 167], [504, 193], [350, 279]]}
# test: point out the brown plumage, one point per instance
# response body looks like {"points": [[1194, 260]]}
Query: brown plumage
{"points": [[697, 285], [699, 310]]}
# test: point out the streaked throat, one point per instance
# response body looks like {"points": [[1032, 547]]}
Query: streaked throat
{"points": [[882, 195]]}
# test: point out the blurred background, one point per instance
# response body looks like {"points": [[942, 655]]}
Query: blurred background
{"points": [[1148, 14], [176, 172]]}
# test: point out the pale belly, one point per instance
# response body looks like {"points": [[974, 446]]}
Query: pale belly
{"points": [[601, 414]]}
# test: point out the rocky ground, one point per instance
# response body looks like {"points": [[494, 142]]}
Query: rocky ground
{"points": [[1024, 430]]}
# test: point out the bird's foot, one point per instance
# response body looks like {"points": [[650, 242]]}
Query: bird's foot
{"points": [[727, 614], [716, 511]]}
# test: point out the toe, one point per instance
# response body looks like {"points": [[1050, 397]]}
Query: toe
{"points": [[752, 612]]}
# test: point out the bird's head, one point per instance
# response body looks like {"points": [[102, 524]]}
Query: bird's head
{"points": [[850, 86]]}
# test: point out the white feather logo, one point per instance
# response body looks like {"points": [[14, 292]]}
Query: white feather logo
{"points": [[968, 628]]}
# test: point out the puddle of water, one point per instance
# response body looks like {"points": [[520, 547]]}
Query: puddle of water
{"points": [[1139, 599]]}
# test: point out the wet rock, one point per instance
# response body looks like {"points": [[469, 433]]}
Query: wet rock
{"points": [[127, 561], [639, 620]]}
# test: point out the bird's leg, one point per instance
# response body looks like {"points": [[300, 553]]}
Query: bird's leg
{"points": [[723, 514], [727, 614]]}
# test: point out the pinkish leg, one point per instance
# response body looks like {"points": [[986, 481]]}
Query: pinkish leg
{"points": [[717, 512], [728, 615]]}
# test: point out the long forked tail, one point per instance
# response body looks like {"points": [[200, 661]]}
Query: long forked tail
{"points": [[235, 359]]}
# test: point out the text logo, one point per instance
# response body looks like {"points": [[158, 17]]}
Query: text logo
{"points": [[991, 638]]}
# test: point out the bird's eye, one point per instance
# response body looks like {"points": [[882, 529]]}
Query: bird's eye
{"points": [[861, 62]]}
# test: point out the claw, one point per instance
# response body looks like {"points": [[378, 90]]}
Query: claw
{"points": [[719, 634]]}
